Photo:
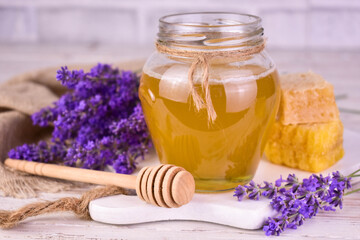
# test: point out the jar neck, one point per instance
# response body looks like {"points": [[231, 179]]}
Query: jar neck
{"points": [[210, 31]]}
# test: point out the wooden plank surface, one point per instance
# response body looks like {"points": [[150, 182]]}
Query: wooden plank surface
{"points": [[340, 68], [344, 224]]}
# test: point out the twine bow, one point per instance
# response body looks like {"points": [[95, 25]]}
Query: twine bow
{"points": [[202, 59]]}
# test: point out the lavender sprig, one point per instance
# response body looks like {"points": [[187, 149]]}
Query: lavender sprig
{"points": [[297, 201], [99, 122]]}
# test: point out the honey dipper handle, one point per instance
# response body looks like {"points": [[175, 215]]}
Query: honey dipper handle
{"points": [[73, 174]]}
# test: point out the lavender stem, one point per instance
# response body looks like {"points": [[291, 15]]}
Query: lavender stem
{"points": [[353, 191]]}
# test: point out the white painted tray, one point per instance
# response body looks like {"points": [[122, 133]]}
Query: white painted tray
{"points": [[221, 208]]}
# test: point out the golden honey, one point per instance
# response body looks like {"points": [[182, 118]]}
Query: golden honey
{"points": [[222, 154]]}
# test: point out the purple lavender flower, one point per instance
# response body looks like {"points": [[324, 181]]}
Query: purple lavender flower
{"points": [[40, 152], [292, 181], [310, 184], [269, 190], [279, 181], [278, 203], [99, 122], [240, 192], [274, 226], [44, 117], [297, 201], [253, 190], [123, 165]]}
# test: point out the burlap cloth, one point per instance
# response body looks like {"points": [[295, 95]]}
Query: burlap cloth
{"points": [[20, 97]]}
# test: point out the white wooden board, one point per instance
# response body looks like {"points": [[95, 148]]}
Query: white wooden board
{"points": [[221, 208]]}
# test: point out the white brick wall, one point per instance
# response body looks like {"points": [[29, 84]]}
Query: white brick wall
{"points": [[330, 29], [98, 25], [287, 29], [17, 24], [299, 24]]}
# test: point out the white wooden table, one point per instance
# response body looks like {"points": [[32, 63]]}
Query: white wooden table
{"points": [[341, 69]]}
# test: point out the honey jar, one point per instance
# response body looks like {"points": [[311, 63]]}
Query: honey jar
{"points": [[210, 94]]}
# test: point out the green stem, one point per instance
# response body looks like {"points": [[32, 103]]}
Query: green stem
{"points": [[353, 191], [354, 173], [357, 175]]}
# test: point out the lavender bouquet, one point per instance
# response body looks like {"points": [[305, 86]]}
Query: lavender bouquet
{"points": [[99, 122], [297, 201]]}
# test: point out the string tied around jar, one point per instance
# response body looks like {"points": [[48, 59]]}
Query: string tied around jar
{"points": [[202, 59]]}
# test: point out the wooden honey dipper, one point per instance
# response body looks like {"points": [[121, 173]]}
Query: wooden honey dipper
{"points": [[164, 185]]}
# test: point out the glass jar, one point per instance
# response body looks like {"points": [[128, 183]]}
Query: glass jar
{"points": [[218, 60]]}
